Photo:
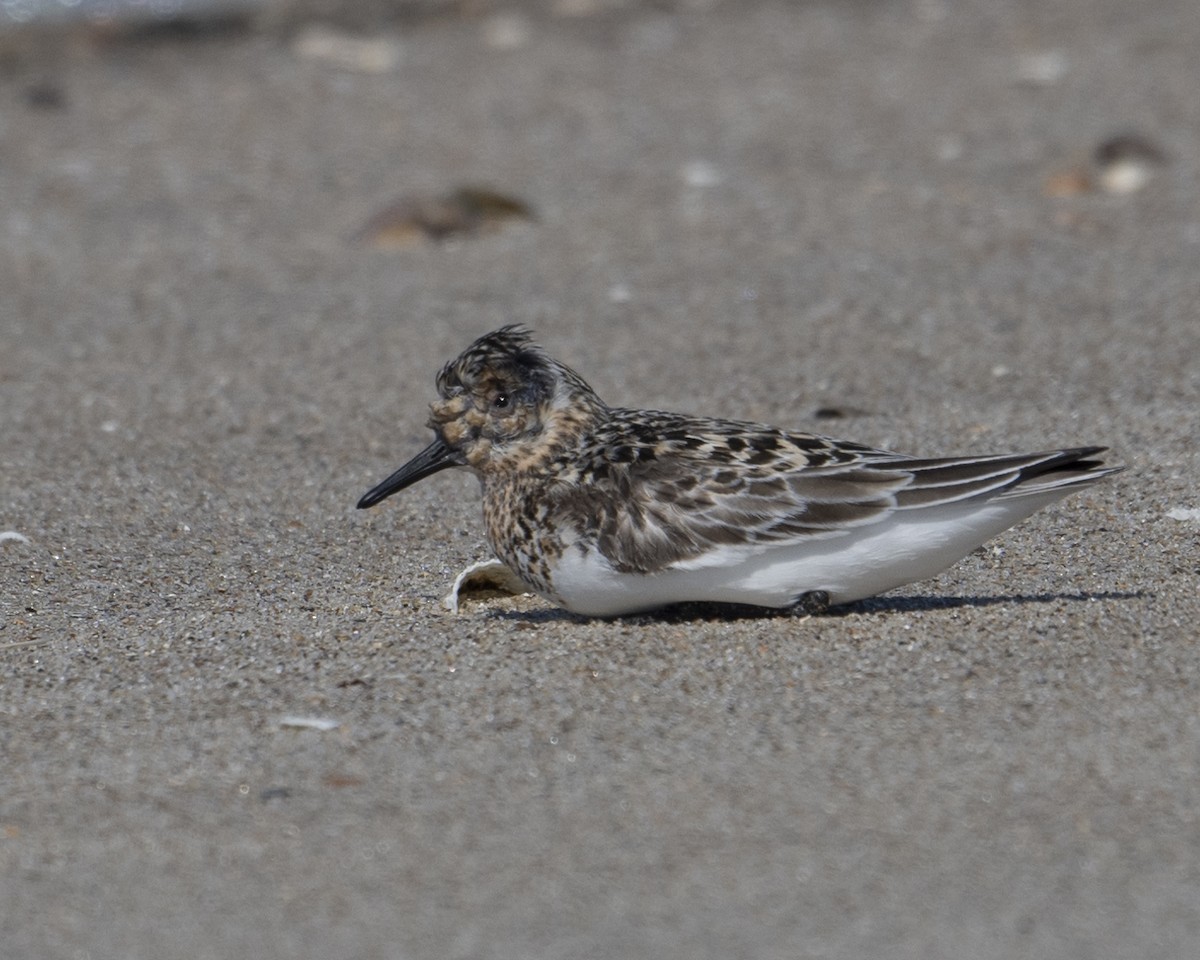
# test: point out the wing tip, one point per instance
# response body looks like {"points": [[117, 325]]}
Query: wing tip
{"points": [[1062, 469]]}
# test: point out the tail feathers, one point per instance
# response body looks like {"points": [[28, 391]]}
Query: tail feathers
{"points": [[1001, 477]]}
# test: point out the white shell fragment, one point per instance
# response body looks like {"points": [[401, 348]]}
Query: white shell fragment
{"points": [[486, 576], [1042, 68], [346, 52], [13, 535], [1126, 163], [322, 724]]}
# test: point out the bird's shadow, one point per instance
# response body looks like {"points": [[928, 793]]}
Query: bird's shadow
{"points": [[695, 612]]}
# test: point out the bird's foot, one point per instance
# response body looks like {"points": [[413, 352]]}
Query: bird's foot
{"points": [[810, 604]]}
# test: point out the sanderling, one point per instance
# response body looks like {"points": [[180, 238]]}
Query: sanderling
{"points": [[608, 511]]}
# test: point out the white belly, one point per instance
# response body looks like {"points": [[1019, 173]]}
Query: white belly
{"points": [[851, 565]]}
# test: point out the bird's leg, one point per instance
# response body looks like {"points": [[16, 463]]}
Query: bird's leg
{"points": [[810, 604]]}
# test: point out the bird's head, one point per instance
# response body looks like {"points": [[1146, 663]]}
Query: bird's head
{"points": [[503, 405]]}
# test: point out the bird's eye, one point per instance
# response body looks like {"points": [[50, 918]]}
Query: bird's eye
{"points": [[500, 401]]}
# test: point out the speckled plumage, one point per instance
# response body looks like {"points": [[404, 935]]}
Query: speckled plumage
{"points": [[608, 511]]}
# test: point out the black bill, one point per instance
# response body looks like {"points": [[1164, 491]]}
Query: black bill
{"points": [[437, 456]]}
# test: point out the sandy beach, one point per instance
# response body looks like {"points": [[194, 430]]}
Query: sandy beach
{"points": [[236, 718]]}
